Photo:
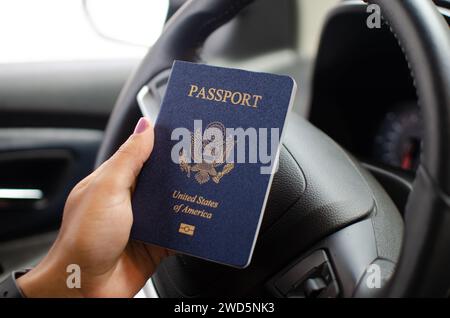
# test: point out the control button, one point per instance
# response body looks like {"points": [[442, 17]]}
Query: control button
{"points": [[313, 287], [311, 277]]}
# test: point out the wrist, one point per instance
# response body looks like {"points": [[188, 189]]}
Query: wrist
{"points": [[47, 280]]}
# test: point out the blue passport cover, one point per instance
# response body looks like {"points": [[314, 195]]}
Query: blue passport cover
{"points": [[207, 210]]}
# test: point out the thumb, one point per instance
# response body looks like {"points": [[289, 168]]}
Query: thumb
{"points": [[122, 169]]}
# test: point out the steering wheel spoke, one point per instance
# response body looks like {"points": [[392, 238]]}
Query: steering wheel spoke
{"points": [[150, 96]]}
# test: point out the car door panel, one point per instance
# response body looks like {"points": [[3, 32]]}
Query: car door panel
{"points": [[47, 161], [78, 94]]}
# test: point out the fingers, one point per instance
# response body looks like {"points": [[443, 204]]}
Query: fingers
{"points": [[121, 170]]}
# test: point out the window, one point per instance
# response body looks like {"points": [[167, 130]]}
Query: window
{"points": [[56, 30]]}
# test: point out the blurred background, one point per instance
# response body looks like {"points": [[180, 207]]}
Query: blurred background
{"points": [[52, 30]]}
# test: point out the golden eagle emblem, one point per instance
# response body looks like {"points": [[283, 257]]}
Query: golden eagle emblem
{"points": [[205, 166]]}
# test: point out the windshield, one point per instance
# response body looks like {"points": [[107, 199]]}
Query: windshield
{"points": [[55, 30]]}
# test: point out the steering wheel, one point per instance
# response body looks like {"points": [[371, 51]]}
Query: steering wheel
{"points": [[328, 226]]}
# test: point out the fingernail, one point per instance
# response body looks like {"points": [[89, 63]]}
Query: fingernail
{"points": [[141, 126]]}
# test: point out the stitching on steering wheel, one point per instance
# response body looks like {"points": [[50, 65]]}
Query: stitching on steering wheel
{"points": [[411, 71], [408, 62]]}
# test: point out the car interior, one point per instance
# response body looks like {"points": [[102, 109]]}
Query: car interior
{"points": [[349, 167]]}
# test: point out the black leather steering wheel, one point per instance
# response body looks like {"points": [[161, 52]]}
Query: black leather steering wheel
{"points": [[325, 211]]}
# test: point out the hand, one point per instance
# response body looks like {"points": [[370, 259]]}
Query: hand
{"points": [[95, 232]]}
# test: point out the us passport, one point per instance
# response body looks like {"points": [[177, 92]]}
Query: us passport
{"points": [[204, 188]]}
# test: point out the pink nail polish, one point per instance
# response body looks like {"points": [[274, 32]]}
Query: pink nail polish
{"points": [[141, 126]]}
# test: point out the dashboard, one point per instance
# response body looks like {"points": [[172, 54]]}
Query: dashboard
{"points": [[389, 137], [398, 139], [364, 96]]}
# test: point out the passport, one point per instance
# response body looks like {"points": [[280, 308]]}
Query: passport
{"points": [[204, 188]]}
